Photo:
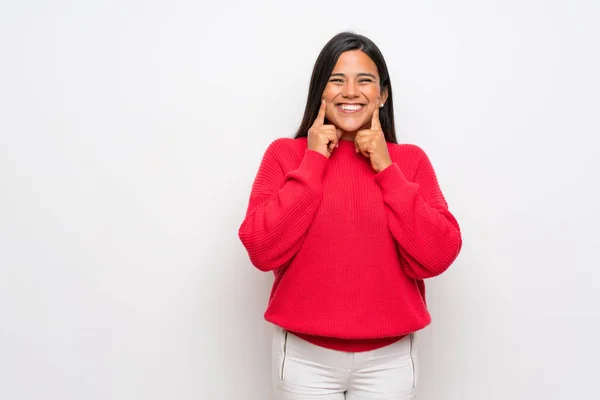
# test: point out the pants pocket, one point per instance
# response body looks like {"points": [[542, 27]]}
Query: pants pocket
{"points": [[279, 354], [284, 343], [413, 360]]}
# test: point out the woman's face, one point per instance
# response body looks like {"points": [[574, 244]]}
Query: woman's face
{"points": [[353, 92]]}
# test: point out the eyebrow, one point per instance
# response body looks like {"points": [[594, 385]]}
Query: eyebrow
{"points": [[359, 74]]}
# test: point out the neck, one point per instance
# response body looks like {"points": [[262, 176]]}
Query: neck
{"points": [[350, 136]]}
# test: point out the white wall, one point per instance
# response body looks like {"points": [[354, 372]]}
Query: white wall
{"points": [[130, 132]]}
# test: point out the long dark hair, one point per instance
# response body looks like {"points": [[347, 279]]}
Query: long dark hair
{"points": [[326, 60]]}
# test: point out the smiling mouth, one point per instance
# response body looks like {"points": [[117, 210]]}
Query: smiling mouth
{"points": [[350, 108]]}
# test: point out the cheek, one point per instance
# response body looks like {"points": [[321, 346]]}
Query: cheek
{"points": [[329, 93], [373, 94], [330, 114]]}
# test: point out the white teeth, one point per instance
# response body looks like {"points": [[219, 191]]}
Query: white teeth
{"points": [[350, 107]]}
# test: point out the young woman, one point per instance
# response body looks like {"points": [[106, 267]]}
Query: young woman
{"points": [[350, 223]]}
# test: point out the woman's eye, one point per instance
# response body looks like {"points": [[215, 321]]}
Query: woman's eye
{"points": [[365, 80], [335, 80]]}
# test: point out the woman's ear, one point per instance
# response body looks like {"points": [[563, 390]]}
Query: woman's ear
{"points": [[384, 95]]}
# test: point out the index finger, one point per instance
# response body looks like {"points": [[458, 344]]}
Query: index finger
{"points": [[320, 120], [375, 123]]}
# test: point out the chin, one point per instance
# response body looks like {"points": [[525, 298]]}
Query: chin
{"points": [[349, 127]]}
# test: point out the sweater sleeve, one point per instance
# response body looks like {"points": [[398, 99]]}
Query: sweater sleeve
{"points": [[428, 235], [281, 207]]}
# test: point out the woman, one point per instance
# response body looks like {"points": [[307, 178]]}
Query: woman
{"points": [[350, 223]]}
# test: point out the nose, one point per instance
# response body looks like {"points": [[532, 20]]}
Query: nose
{"points": [[350, 90]]}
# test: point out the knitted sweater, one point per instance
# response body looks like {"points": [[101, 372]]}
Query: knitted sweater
{"points": [[349, 247]]}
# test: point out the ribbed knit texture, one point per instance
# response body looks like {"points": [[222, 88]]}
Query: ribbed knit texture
{"points": [[349, 247]]}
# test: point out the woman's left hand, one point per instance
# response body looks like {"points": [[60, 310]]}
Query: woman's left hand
{"points": [[371, 144]]}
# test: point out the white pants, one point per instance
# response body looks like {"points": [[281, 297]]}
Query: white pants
{"points": [[303, 371]]}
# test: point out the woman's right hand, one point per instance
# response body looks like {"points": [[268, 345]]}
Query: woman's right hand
{"points": [[323, 138]]}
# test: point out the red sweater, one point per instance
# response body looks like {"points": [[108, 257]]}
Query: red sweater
{"points": [[349, 247]]}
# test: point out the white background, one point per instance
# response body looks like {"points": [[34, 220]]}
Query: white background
{"points": [[130, 132]]}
